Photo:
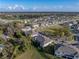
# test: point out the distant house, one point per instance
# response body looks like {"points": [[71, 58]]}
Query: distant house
{"points": [[76, 56], [66, 52], [70, 24], [5, 37], [35, 34], [41, 39], [25, 21], [76, 37], [27, 30], [75, 28], [76, 44], [75, 22], [10, 30], [35, 26]]}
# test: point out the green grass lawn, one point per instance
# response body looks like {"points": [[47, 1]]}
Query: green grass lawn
{"points": [[30, 54]]}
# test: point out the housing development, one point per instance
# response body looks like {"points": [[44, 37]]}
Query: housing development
{"points": [[39, 35]]}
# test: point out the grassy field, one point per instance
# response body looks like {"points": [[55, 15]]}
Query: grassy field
{"points": [[30, 54]]}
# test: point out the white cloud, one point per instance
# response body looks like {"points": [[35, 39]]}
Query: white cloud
{"points": [[60, 7], [10, 8], [18, 6], [15, 7], [35, 8], [22, 6]]}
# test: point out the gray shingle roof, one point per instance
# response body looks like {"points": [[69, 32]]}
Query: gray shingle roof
{"points": [[66, 50], [43, 40]]}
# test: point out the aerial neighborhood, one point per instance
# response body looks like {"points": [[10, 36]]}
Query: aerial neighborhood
{"points": [[53, 35]]}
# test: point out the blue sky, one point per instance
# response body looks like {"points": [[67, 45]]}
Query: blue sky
{"points": [[39, 5]]}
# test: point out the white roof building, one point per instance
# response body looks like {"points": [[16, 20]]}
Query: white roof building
{"points": [[76, 56], [43, 40]]}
